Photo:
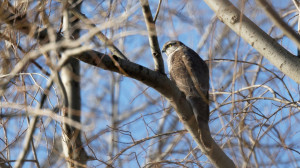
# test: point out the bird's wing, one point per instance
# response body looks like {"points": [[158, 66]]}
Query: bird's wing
{"points": [[198, 72]]}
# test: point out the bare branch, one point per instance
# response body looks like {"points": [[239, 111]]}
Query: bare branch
{"points": [[70, 83], [157, 11], [151, 78], [143, 140], [39, 112], [262, 42], [168, 89], [107, 42], [153, 41], [31, 128], [274, 16], [297, 5]]}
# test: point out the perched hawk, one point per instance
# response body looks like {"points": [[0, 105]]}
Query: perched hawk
{"points": [[191, 76]]}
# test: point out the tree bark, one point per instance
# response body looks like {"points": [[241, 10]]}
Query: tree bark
{"points": [[257, 38], [70, 75]]}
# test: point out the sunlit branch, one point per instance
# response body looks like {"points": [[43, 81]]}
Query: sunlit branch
{"points": [[152, 36], [157, 11], [256, 37], [274, 16]]}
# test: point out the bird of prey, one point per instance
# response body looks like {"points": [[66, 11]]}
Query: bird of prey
{"points": [[190, 73]]}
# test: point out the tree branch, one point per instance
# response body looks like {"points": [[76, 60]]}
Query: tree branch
{"points": [[297, 5], [154, 45], [31, 128], [252, 34], [274, 16], [70, 78], [168, 89], [107, 42], [157, 11]]}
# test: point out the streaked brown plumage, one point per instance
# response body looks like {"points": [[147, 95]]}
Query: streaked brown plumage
{"points": [[191, 76]]}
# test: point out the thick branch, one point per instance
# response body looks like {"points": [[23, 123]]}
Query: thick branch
{"points": [[70, 77], [151, 78], [154, 45], [262, 42], [297, 5], [168, 89], [274, 16]]}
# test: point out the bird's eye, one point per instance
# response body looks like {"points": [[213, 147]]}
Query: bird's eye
{"points": [[169, 45]]}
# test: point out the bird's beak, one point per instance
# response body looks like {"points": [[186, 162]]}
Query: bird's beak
{"points": [[163, 50]]}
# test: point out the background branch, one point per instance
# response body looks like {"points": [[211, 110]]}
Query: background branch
{"points": [[31, 129], [157, 11], [107, 42]]}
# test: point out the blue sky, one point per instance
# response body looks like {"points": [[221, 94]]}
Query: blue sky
{"points": [[186, 22]]}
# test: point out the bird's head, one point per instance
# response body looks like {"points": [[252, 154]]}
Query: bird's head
{"points": [[170, 46]]}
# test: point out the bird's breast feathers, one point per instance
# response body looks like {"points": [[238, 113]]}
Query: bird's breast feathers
{"points": [[171, 57]]}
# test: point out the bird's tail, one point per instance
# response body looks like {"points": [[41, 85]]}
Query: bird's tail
{"points": [[201, 112], [200, 108]]}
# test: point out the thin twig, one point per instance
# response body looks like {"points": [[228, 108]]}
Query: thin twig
{"points": [[107, 42], [28, 122], [145, 139], [31, 128], [43, 113], [157, 11]]}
